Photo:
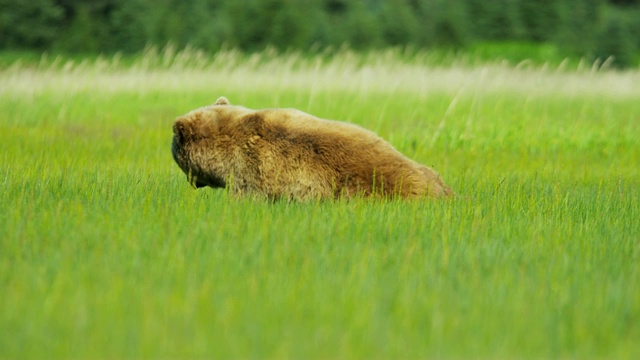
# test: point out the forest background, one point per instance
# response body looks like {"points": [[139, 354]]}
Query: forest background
{"points": [[511, 29]]}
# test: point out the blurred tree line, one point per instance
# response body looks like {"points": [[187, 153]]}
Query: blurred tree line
{"points": [[590, 28]]}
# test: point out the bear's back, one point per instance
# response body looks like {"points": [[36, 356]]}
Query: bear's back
{"points": [[332, 156]]}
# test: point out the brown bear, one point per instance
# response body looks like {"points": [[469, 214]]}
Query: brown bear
{"points": [[289, 154]]}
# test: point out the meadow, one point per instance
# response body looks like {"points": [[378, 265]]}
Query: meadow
{"points": [[107, 252]]}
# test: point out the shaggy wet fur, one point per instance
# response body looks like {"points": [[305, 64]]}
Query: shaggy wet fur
{"points": [[289, 154]]}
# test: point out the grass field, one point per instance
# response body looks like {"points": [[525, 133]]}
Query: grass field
{"points": [[107, 252]]}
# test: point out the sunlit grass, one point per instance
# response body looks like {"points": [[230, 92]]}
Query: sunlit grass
{"points": [[106, 251]]}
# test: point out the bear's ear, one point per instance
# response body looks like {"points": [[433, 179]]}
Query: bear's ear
{"points": [[222, 101]]}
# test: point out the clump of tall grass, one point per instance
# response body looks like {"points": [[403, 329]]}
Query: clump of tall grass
{"points": [[396, 70]]}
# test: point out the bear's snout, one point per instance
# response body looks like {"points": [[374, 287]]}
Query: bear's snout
{"points": [[175, 148]]}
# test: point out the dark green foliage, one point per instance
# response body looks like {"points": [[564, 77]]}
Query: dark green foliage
{"points": [[616, 39], [130, 26], [29, 24], [586, 28], [541, 18], [364, 27], [497, 20], [398, 22], [581, 22]]}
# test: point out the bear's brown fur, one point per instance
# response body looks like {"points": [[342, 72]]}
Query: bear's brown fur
{"points": [[288, 154]]}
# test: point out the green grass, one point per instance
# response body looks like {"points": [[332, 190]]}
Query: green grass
{"points": [[106, 252]]}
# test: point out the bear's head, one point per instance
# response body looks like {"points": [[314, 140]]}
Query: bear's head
{"points": [[211, 142]]}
